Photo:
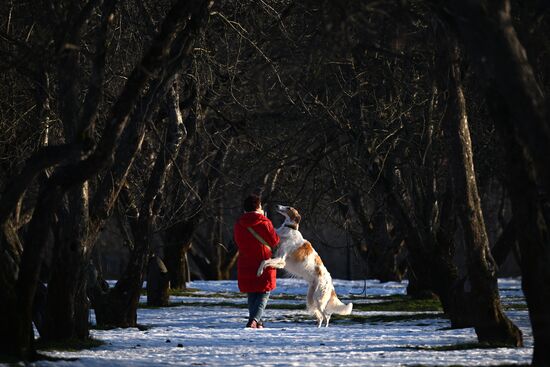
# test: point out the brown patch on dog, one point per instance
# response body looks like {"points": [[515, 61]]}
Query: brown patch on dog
{"points": [[318, 260], [333, 294], [318, 271], [302, 252], [294, 215]]}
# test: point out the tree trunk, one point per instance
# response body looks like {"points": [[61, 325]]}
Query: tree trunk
{"points": [[10, 317], [67, 306], [178, 243], [120, 306], [66, 313], [383, 253], [487, 29], [531, 228], [491, 324], [430, 253], [158, 283], [175, 261], [505, 244]]}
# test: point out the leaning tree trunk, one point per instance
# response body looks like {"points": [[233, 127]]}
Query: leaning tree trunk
{"points": [[488, 31], [490, 322], [119, 307]]}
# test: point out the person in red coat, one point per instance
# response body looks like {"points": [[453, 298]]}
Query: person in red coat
{"points": [[256, 239]]}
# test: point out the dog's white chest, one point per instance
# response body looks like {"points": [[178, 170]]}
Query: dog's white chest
{"points": [[290, 239]]}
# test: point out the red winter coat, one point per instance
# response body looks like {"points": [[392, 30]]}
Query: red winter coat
{"points": [[252, 252]]}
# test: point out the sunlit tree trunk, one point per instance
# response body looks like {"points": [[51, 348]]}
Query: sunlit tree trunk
{"points": [[486, 28], [490, 322]]}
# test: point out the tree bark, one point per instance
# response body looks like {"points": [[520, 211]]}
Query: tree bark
{"points": [[67, 306], [178, 243], [505, 244], [487, 30], [430, 251], [491, 324], [531, 228], [158, 283], [120, 306], [11, 258]]}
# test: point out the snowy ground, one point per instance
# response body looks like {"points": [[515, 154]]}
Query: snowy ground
{"points": [[209, 331]]}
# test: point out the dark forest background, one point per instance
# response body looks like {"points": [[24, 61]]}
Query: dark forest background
{"points": [[413, 136]]}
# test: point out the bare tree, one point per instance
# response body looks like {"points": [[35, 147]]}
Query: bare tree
{"points": [[487, 30], [490, 322], [118, 307], [19, 288]]}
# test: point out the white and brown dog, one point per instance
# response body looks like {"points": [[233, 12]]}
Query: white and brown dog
{"points": [[298, 257]]}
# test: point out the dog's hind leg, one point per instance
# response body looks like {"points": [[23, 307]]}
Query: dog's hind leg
{"points": [[310, 300], [319, 316], [312, 304], [327, 319]]}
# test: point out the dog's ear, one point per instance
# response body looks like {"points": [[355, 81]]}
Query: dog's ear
{"points": [[294, 215]]}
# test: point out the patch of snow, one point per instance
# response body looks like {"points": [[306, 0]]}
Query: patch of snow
{"points": [[215, 336]]}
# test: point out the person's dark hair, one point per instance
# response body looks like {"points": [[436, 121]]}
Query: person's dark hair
{"points": [[251, 203]]}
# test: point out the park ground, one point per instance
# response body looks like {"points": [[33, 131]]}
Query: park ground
{"points": [[204, 326]]}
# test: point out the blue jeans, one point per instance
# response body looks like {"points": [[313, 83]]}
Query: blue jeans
{"points": [[256, 305]]}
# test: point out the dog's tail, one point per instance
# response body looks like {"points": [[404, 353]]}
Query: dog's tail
{"points": [[336, 306]]}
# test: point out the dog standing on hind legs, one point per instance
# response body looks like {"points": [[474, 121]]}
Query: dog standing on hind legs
{"points": [[297, 256]]}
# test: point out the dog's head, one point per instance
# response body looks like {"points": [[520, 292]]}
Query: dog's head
{"points": [[291, 215]]}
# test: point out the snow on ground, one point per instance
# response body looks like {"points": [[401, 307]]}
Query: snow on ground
{"points": [[200, 334]]}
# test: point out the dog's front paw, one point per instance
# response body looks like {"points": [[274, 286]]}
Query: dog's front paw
{"points": [[261, 269]]}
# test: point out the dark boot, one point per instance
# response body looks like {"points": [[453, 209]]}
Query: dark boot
{"points": [[252, 324]]}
